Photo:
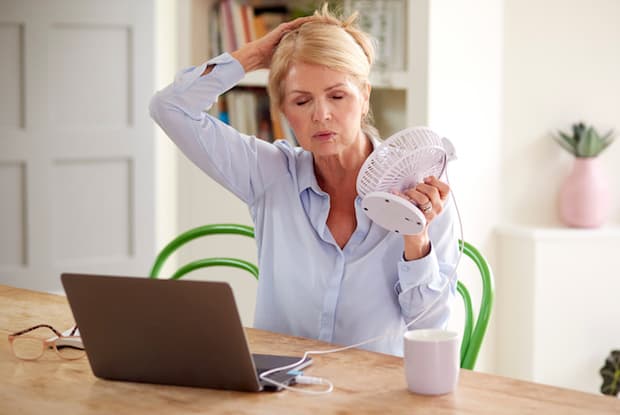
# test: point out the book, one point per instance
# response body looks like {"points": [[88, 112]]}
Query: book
{"points": [[215, 35], [287, 131], [227, 28], [281, 128], [237, 24], [278, 130], [247, 15], [260, 26]]}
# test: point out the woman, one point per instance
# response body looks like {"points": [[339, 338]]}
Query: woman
{"points": [[326, 271]]}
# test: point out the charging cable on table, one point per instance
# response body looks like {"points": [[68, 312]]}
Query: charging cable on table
{"points": [[330, 386]]}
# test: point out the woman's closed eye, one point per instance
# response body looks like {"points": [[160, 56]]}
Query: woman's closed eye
{"points": [[303, 101]]}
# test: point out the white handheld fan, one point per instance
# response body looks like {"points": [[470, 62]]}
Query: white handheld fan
{"points": [[400, 162]]}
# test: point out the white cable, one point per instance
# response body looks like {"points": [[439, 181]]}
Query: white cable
{"points": [[316, 381], [309, 380], [263, 376]]}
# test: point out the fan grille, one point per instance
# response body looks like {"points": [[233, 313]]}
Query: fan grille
{"points": [[402, 160]]}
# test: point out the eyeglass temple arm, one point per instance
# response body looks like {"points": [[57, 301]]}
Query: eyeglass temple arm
{"points": [[19, 333]]}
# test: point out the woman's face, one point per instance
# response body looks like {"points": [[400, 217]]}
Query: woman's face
{"points": [[324, 108]]}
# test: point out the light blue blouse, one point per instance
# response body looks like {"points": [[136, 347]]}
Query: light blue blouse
{"points": [[308, 286]]}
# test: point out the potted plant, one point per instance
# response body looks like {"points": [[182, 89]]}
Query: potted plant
{"points": [[584, 196], [611, 374]]}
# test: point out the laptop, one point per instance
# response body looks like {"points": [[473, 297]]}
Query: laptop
{"points": [[173, 332]]}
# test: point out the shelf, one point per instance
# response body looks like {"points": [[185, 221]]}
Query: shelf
{"points": [[391, 80], [400, 80], [550, 233], [255, 78]]}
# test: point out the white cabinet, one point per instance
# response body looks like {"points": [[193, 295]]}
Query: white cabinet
{"points": [[557, 307]]}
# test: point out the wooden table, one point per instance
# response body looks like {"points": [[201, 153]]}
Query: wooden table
{"points": [[365, 382]]}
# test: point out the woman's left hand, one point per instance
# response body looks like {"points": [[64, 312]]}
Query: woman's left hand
{"points": [[430, 197]]}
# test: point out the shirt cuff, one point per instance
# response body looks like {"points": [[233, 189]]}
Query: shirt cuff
{"points": [[416, 272], [227, 73]]}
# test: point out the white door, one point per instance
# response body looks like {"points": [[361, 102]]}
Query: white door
{"points": [[76, 142]]}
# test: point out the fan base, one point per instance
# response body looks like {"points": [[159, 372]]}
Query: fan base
{"points": [[394, 213]]}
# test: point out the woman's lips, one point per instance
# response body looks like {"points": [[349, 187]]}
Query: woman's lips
{"points": [[324, 135]]}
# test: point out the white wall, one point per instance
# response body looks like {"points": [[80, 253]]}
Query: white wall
{"points": [[166, 58], [502, 76], [562, 65], [465, 87]]}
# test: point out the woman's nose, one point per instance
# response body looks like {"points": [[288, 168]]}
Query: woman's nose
{"points": [[321, 111]]}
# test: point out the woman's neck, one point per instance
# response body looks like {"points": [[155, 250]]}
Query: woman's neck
{"points": [[338, 170]]}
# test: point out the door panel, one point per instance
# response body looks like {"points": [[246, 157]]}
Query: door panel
{"points": [[76, 142]]}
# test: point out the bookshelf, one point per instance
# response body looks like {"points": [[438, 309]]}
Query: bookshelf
{"points": [[399, 95]]}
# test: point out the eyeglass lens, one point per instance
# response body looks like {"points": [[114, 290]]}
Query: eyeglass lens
{"points": [[69, 348], [27, 348]]}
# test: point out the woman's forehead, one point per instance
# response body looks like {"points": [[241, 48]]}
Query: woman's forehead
{"points": [[307, 77]]}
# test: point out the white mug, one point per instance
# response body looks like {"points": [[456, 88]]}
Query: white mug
{"points": [[432, 361]]}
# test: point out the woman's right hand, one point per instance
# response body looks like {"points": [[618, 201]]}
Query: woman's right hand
{"points": [[257, 54]]}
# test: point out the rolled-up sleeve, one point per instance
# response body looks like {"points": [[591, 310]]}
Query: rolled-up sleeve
{"points": [[191, 94], [228, 156]]}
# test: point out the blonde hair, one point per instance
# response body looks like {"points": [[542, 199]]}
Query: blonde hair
{"points": [[329, 41]]}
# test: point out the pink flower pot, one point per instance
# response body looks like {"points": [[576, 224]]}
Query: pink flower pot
{"points": [[584, 196]]}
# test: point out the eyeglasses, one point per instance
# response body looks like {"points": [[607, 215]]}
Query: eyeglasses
{"points": [[26, 347]]}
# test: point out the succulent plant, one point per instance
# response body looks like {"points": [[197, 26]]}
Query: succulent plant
{"points": [[611, 374], [584, 141]]}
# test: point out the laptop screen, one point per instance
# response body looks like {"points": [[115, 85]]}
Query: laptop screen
{"points": [[176, 332]]}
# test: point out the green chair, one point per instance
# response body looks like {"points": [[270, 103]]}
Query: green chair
{"points": [[473, 333], [190, 235]]}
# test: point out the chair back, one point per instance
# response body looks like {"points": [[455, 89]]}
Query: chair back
{"points": [[190, 235], [473, 333]]}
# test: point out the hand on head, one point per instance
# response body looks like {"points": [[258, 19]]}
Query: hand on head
{"points": [[257, 54]]}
